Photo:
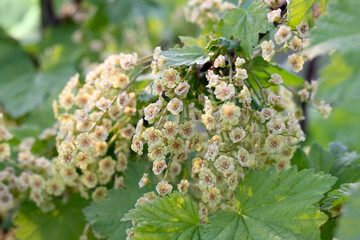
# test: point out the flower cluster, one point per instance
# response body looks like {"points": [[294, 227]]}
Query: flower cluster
{"points": [[308, 94], [37, 179], [296, 41], [214, 134], [287, 39], [5, 135], [203, 11], [93, 117]]}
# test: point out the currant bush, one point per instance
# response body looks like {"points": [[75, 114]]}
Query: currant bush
{"points": [[202, 141]]}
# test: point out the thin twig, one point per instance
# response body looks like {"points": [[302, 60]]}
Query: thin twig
{"points": [[230, 69], [259, 85]]}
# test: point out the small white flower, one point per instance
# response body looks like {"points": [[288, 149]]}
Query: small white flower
{"points": [[296, 62], [163, 188], [224, 164], [224, 91], [182, 89], [276, 125], [268, 50], [243, 157], [276, 79], [212, 78], [283, 34], [103, 103], [151, 111], [274, 16], [241, 74], [239, 62], [183, 186], [219, 62], [175, 106], [303, 29], [325, 110], [159, 167], [237, 135], [80, 115], [266, 114], [212, 152], [304, 94]]}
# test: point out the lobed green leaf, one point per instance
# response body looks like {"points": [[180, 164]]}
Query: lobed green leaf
{"points": [[339, 196], [171, 217], [273, 205], [246, 25], [65, 222], [105, 215], [185, 56], [302, 10], [350, 221]]}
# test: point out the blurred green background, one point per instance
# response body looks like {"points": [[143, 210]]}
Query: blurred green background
{"points": [[44, 42]]}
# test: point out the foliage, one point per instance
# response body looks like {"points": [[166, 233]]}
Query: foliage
{"points": [[185, 56], [274, 205], [336, 161], [105, 216], [246, 25], [339, 196], [65, 221], [303, 10], [170, 217], [336, 31], [348, 224], [200, 138]]}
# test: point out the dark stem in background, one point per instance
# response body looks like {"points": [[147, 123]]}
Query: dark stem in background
{"points": [[310, 75], [48, 17]]}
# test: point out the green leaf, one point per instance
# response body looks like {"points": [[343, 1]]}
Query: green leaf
{"points": [[246, 25], [22, 88], [119, 10], [301, 10], [299, 159], [18, 76], [105, 215], [336, 29], [348, 228], [188, 41], [343, 124], [202, 41], [25, 131], [263, 70], [21, 18], [171, 217], [339, 196], [65, 222], [340, 80], [320, 159], [185, 56], [274, 205], [223, 42], [327, 230], [140, 85], [337, 161]]}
